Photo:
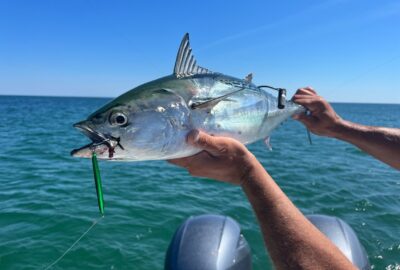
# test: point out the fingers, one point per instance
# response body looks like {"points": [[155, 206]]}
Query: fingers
{"points": [[219, 159], [200, 159], [307, 97], [193, 136], [204, 141], [213, 147], [312, 103], [307, 91], [200, 164]]}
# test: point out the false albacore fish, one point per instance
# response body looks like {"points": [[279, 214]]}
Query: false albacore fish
{"points": [[151, 121]]}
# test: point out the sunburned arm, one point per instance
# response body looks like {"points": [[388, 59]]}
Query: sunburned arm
{"points": [[382, 143], [292, 241]]}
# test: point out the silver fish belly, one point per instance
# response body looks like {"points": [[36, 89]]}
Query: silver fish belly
{"points": [[151, 122]]}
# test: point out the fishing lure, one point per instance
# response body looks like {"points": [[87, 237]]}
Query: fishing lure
{"points": [[97, 182]]}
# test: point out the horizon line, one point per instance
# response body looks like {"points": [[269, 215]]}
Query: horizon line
{"points": [[56, 96]]}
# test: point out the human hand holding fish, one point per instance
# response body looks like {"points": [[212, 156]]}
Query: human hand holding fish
{"points": [[381, 142], [221, 158], [322, 119]]}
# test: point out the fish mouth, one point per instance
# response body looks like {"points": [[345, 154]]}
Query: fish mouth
{"points": [[92, 134], [100, 142]]}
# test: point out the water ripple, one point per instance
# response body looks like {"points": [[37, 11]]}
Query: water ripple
{"points": [[48, 200]]}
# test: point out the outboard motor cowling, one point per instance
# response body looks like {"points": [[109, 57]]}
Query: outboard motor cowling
{"points": [[209, 242], [343, 236]]}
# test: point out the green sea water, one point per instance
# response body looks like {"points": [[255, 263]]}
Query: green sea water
{"points": [[48, 199]]}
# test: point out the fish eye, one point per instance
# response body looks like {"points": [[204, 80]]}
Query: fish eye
{"points": [[118, 119]]}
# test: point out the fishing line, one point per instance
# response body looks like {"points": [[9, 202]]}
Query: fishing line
{"points": [[99, 191], [76, 242]]}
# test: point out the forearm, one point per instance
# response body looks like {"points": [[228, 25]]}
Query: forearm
{"points": [[382, 143], [292, 241]]}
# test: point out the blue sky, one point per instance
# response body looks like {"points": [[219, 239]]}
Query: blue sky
{"points": [[347, 50]]}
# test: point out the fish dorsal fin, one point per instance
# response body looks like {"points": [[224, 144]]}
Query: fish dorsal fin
{"points": [[186, 64], [249, 78]]}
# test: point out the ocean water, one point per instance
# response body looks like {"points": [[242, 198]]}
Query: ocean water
{"points": [[47, 198]]}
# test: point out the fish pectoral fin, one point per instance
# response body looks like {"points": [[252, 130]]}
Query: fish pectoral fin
{"points": [[186, 64], [205, 104], [267, 142], [212, 101]]}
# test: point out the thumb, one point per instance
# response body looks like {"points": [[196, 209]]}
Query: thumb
{"points": [[202, 140]]}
